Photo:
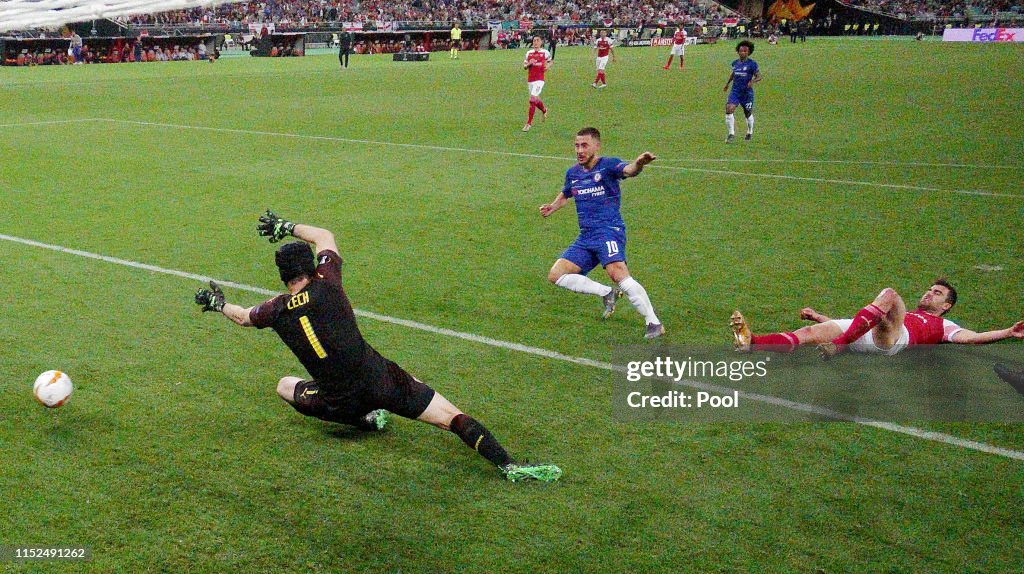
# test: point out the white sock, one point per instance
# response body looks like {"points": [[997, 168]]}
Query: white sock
{"points": [[582, 284], [638, 297], [750, 124], [730, 122]]}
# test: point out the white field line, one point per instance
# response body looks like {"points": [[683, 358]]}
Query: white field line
{"points": [[48, 122], [240, 131], [548, 354]]}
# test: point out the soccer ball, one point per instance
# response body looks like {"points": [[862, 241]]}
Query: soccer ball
{"points": [[52, 389]]}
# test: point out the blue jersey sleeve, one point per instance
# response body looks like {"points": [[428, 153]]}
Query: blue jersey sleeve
{"points": [[757, 70], [616, 166], [567, 187]]}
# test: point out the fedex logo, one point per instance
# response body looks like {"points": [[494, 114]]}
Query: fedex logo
{"points": [[993, 35]]}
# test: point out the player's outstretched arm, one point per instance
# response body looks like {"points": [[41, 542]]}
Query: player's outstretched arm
{"points": [[549, 208], [968, 337], [634, 168], [277, 228], [212, 299]]}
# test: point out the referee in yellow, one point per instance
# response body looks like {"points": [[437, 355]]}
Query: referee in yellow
{"points": [[456, 41]]}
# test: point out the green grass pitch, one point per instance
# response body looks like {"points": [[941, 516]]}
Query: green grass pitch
{"points": [[174, 454]]}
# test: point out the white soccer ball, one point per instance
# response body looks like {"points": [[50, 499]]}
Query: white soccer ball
{"points": [[52, 389]]}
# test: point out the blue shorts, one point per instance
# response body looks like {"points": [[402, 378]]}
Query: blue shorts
{"points": [[602, 245], [745, 100]]}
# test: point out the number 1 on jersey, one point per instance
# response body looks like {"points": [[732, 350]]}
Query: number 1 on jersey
{"points": [[307, 327]]}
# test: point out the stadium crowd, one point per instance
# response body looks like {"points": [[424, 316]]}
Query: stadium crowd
{"points": [[941, 9], [286, 13], [118, 51]]}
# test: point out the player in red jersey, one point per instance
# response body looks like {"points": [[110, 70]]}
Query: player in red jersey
{"points": [[678, 47], [602, 48], [885, 326], [537, 61]]}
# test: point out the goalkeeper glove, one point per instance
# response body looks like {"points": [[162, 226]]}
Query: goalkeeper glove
{"points": [[211, 299], [274, 227]]}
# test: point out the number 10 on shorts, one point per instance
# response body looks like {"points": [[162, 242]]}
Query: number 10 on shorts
{"points": [[613, 247]]}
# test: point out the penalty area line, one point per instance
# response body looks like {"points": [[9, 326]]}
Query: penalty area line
{"points": [[549, 354]]}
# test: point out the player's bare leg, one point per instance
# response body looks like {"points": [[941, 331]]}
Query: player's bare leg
{"points": [[566, 274], [883, 317], [730, 122], [286, 389], [446, 416], [887, 332], [637, 295]]}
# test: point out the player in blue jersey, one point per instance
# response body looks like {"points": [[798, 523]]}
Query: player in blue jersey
{"points": [[745, 74], [594, 183]]}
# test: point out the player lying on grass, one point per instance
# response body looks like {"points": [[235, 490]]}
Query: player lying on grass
{"points": [[885, 326], [351, 382]]}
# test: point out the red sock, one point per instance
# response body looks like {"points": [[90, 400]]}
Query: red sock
{"points": [[597, 78], [669, 61], [863, 321], [778, 342], [601, 76], [533, 107], [540, 106]]}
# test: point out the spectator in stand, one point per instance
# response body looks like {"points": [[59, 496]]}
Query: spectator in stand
{"points": [[76, 47]]}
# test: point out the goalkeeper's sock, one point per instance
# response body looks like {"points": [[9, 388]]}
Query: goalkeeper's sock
{"points": [[478, 438], [730, 122], [863, 321], [777, 342], [582, 284]]}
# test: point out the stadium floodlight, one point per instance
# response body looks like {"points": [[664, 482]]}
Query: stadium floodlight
{"points": [[28, 14]]}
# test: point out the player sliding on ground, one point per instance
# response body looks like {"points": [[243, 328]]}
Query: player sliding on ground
{"points": [[594, 183], [351, 382], [885, 326]]}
